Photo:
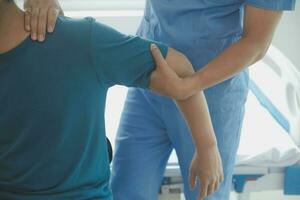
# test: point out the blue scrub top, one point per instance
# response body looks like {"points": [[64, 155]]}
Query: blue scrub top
{"points": [[201, 29]]}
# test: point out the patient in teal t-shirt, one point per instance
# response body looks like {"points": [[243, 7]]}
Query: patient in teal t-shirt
{"points": [[52, 101]]}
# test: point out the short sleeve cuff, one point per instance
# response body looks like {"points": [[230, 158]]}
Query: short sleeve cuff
{"points": [[273, 4], [145, 83]]}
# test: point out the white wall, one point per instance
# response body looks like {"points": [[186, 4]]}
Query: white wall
{"points": [[287, 37]]}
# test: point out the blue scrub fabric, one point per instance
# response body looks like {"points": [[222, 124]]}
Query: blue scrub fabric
{"points": [[151, 125]]}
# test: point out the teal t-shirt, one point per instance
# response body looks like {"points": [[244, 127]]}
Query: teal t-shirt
{"points": [[52, 102]]}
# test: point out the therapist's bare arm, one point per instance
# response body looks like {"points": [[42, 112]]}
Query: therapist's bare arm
{"points": [[259, 28], [206, 164]]}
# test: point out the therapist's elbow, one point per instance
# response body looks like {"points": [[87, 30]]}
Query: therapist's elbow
{"points": [[259, 47], [262, 51]]}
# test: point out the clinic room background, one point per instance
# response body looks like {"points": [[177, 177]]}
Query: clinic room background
{"points": [[269, 171]]}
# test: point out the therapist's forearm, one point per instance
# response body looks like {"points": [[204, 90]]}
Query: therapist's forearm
{"points": [[259, 29], [232, 61], [194, 108]]}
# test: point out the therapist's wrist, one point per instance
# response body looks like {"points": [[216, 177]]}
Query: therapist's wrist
{"points": [[205, 145], [190, 86]]}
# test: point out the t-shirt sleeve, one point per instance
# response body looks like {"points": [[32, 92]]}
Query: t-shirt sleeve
{"points": [[120, 59], [273, 4]]}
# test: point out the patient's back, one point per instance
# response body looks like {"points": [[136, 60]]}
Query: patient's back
{"points": [[52, 99]]}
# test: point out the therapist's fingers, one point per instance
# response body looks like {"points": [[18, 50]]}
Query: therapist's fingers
{"points": [[34, 23], [214, 186], [158, 58], [28, 9], [211, 188], [53, 13], [203, 190], [218, 183], [27, 18], [192, 180], [221, 178], [42, 20]]}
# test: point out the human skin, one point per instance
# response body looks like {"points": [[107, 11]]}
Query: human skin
{"points": [[164, 80], [259, 28]]}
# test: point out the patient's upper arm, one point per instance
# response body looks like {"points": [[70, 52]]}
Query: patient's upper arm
{"points": [[121, 59], [179, 63]]}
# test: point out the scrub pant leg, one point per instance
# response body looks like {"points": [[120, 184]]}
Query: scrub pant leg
{"points": [[226, 104], [141, 152], [227, 129], [150, 129]]}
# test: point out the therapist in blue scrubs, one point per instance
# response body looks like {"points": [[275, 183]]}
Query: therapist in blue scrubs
{"points": [[221, 38], [211, 34]]}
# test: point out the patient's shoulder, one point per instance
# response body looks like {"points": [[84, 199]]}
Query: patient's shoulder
{"points": [[68, 22], [74, 24], [73, 30]]}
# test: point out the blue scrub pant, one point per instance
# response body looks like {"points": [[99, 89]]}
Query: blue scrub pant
{"points": [[151, 126]]}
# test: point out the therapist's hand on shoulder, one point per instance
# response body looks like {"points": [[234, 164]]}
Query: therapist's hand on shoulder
{"points": [[40, 17]]}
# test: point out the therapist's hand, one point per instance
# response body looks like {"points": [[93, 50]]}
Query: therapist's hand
{"points": [[207, 167], [164, 79], [40, 17], [173, 76]]}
